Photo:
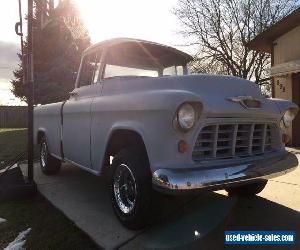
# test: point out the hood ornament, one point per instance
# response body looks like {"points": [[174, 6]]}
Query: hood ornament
{"points": [[248, 102]]}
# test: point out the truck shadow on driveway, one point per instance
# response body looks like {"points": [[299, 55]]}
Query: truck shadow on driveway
{"points": [[201, 223], [253, 214], [258, 213]]}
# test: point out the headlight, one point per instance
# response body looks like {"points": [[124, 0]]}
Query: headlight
{"points": [[186, 116], [288, 118]]}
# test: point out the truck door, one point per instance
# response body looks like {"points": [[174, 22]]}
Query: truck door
{"points": [[76, 124]]}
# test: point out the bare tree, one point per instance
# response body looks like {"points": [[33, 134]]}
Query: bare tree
{"points": [[222, 28]]}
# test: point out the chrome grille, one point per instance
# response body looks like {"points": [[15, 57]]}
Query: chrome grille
{"points": [[234, 140]]}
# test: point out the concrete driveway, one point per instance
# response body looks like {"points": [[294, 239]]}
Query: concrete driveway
{"points": [[193, 222]]}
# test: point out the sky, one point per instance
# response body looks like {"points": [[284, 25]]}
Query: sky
{"points": [[149, 20]]}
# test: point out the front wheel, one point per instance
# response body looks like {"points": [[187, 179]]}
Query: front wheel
{"points": [[131, 188], [49, 164], [248, 189]]}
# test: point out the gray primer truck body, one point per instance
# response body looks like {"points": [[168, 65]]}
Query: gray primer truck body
{"points": [[81, 129]]}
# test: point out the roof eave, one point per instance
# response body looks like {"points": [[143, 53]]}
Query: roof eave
{"points": [[263, 41]]}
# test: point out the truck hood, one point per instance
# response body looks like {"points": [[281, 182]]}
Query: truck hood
{"points": [[212, 90], [216, 92]]}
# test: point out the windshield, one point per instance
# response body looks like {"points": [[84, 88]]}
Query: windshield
{"points": [[115, 70], [173, 71], [138, 60]]}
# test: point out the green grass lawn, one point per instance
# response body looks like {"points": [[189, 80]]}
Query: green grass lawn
{"points": [[50, 229], [12, 143]]}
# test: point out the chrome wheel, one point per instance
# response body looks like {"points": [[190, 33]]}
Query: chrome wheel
{"points": [[124, 187], [44, 154]]}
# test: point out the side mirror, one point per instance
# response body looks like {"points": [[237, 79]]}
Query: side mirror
{"points": [[73, 94], [18, 29]]}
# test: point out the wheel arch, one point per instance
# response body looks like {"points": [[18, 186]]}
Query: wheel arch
{"points": [[120, 138]]}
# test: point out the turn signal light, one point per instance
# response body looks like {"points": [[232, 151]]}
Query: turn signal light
{"points": [[182, 146]]}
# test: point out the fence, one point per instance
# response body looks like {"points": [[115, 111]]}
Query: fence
{"points": [[13, 116]]}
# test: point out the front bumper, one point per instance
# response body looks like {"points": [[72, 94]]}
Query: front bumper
{"points": [[180, 180]]}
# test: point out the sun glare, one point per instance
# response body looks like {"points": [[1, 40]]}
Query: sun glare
{"points": [[150, 20]]}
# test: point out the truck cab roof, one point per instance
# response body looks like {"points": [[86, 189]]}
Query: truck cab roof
{"points": [[162, 54]]}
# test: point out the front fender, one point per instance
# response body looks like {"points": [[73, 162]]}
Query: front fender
{"points": [[284, 105]]}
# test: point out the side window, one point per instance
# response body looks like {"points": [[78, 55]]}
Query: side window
{"points": [[87, 70]]}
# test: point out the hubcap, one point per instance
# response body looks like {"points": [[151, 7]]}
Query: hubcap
{"points": [[124, 186], [44, 153]]}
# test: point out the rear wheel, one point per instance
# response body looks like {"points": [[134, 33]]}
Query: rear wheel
{"points": [[49, 164], [131, 188], [248, 189]]}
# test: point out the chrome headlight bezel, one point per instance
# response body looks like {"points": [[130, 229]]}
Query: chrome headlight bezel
{"points": [[287, 118], [186, 116]]}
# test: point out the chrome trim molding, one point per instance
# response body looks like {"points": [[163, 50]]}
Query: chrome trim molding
{"points": [[242, 100], [168, 180]]}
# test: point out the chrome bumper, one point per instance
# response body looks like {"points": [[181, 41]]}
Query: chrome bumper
{"points": [[178, 180]]}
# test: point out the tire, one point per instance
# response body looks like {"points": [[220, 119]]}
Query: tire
{"points": [[49, 164], [248, 189], [131, 188]]}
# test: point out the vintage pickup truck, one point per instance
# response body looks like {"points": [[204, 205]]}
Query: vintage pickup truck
{"points": [[136, 113]]}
